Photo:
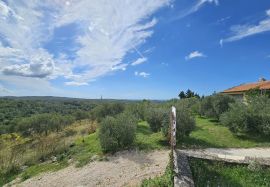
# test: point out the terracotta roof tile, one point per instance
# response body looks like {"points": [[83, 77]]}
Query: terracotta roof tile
{"points": [[263, 85]]}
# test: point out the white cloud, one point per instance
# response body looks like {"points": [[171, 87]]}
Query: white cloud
{"points": [[242, 31], [73, 83], [195, 54], [268, 12], [164, 64], [197, 6], [41, 65], [142, 74], [139, 61], [107, 31], [122, 67]]}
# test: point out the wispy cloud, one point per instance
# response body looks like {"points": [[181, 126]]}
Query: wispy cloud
{"points": [[164, 64], [73, 83], [194, 8], [195, 54], [239, 32], [139, 61], [4, 91], [107, 31], [142, 74]]}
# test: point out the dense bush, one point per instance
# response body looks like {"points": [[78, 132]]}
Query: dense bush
{"points": [[14, 109], [185, 122], [155, 118], [139, 109], [43, 123], [107, 109], [117, 132], [251, 117], [213, 106]]}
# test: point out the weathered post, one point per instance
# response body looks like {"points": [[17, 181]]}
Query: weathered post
{"points": [[183, 176], [173, 128]]}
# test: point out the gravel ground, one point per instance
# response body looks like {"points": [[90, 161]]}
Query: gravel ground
{"points": [[127, 168]]}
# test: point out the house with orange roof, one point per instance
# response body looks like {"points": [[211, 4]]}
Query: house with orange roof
{"points": [[240, 91]]}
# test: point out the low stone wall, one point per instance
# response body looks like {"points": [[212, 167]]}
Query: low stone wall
{"points": [[224, 158], [183, 175]]}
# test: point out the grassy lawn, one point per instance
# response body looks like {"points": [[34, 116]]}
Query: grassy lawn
{"points": [[85, 148], [212, 173], [209, 133], [147, 140]]}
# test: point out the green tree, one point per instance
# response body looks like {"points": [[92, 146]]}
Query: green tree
{"points": [[117, 132], [182, 95]]}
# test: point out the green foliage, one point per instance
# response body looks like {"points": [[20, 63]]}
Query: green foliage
{"points": [[182, 95], [213, 106], [43, 167], [209, 133], [139, 109], [13, 110], [185, 122], [118, 132], [85, 148], [252, 117], [43, 123], [188, 94], [107, 109], [156, 118], [213, 173], [147, 140]]}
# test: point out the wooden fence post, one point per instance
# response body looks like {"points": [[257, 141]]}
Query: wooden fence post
{"points": [[173, 128]]}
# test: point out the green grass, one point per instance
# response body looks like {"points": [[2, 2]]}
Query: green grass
{"points": [[213, 173], [43, 167], [85, 148], [147, 140], [209, 133], [7, 177]]}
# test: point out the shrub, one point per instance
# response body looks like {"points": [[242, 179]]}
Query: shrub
{"points": [[185, 122], [69, 132], [236, 118], [155, 118], [106, 109], [139, 110], [117, 132], [252, 117], [213, 106]]}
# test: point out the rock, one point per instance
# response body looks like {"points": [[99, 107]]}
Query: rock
{"points": [[24, 167], [70, 161], [94, 157], [54, 159]]}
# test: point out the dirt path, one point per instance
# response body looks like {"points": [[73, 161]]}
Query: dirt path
{"points": [[234, 153], [122, 169]]}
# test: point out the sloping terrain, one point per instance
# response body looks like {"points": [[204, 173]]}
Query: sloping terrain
{"points": [[126, 168]]}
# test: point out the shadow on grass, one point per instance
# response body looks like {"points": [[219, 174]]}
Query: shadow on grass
{"points": [[144, 130], [209, 173], [163, 143], [214, 121], [193, 143], [254, 137], [150, 146]]}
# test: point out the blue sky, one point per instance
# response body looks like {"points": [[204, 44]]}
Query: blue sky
{"points": [[131, 49]]}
